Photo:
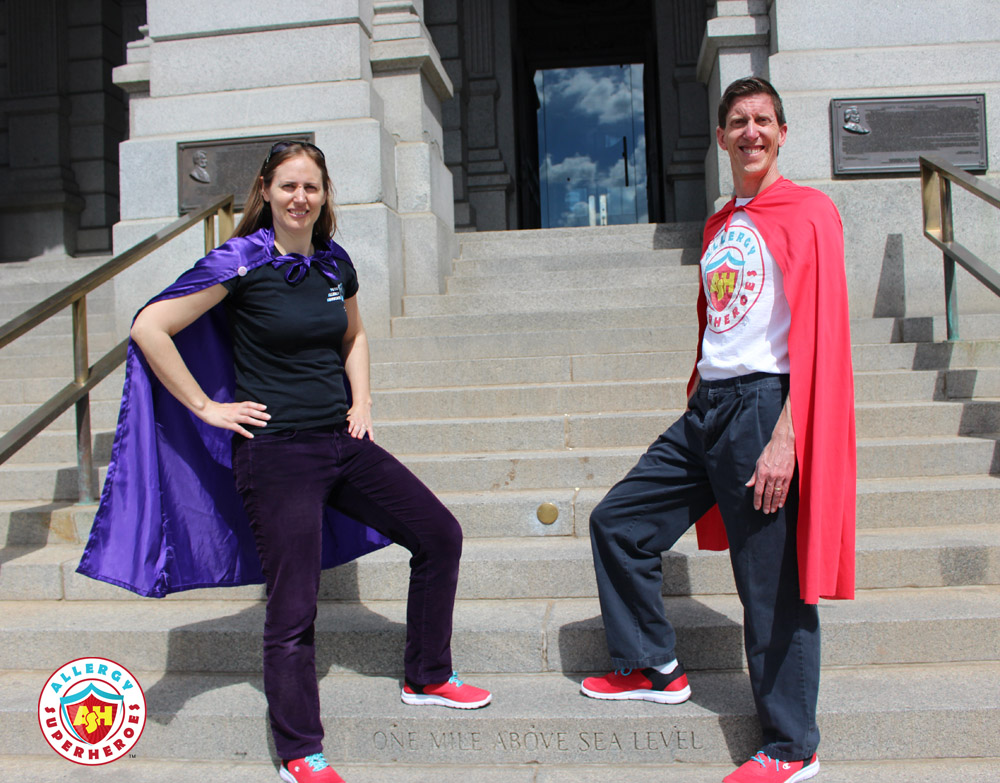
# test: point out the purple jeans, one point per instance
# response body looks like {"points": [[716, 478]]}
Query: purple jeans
{"points": [[285, 478]]}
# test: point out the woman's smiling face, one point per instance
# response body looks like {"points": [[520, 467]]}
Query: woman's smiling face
{"points": [[296, 196]]}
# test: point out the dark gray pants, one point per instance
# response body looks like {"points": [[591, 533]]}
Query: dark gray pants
{"points": [[706, 457]]}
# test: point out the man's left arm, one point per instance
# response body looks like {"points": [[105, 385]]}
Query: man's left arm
{"points": [[772, 477]]}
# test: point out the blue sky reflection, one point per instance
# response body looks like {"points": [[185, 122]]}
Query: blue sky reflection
{"points": [[589, 117]]}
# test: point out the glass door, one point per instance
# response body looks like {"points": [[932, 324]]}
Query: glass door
{"points": [[591, 146]]}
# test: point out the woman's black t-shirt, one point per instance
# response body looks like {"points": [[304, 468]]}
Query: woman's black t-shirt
{"points": [[286, 343]]}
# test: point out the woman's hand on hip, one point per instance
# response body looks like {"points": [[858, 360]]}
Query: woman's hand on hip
{"points": [[233, 415], [359, 421]]}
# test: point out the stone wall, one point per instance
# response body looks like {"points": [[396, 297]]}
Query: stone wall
{"points": [[97, 117], [61, 120], [817, 50], [921, 47], [361, 75]]}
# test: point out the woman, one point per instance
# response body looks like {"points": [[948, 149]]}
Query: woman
{"points": [[301, 443]]}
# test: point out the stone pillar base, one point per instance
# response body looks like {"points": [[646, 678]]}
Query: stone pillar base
{"points": [[39, 231]]}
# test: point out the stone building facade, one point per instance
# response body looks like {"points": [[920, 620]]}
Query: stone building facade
{"points": [[429, 112]]}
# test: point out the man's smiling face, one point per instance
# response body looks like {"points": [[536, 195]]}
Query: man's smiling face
{"points": [[752, 137]]}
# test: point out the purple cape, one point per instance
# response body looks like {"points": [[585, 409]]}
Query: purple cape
{"points": [[170, 518]]}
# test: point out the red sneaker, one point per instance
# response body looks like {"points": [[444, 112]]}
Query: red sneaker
{"points": [[311, 769], [641, 684], [763, 769], [453, 693]]}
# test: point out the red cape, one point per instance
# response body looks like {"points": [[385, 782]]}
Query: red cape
{"points": [[803, 231]]}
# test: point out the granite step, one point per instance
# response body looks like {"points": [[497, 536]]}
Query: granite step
{"points": [[927, 355], [930, 329], [623, 338], [99, 319], [607, 244], [145, 769], [539, 299], [59, 445], [18, 296], [36, 390], [644, 394], [878, 458], [551, 241], [912, 502], [50, 273], [571, 279], [573, 387], [586, 261], [551, 567], [532, 400], [882, 713], [569, 366], [882, 627], [919, 502], [639, 428], [31, 344], [552, 319], [103, 412]]}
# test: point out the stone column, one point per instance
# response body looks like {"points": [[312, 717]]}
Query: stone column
{"points": [[97, 123], [241, 68], [680, 30], [411, 80], [736, 44], [40, 203], [490, 183], [445, 22]]}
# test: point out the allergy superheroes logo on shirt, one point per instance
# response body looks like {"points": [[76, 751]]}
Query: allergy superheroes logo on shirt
{"points": [[92, 711], [732, 269]]}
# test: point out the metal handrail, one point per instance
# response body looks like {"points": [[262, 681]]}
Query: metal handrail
{"points": [[86, 378], [936, 176]]}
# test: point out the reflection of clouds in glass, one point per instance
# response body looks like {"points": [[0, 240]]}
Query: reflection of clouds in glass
{"points": [[578, 214], [609, 98], [631, 197], [575, 169], [615, 175], [584, 119]]}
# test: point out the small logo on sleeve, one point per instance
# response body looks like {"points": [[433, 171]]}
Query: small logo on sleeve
{"points": [[336, 293]]}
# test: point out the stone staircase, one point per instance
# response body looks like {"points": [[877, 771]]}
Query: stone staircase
{"points": [[552, 361]]}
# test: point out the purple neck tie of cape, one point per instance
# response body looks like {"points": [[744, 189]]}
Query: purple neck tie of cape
{"points": [[298, 267]]}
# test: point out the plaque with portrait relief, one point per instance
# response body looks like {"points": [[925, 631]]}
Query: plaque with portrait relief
{"points": [[888, 135]]}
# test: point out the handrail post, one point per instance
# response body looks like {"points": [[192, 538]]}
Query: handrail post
{"points": [[948, 236], [226, 222], [81, 372], [209, 233]]}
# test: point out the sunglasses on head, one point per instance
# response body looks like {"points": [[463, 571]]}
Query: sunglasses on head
{"points": [[279, 146]]}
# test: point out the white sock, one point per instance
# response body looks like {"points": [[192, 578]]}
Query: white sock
{"points": [[666, 668]]}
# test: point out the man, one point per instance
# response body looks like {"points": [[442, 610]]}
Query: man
{"points": [[763, 458]]}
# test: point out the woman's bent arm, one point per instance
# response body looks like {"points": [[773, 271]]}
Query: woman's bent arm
{"points": [[153, 332], [354, 350]]}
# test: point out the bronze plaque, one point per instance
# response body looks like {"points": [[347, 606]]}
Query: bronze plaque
{"points": [[888, 135], [208, 170]]}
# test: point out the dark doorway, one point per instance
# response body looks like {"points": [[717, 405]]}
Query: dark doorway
{"points": [[586, 99]]}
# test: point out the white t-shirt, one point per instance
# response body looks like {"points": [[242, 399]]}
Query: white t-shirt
{"points": [[748, 315]]}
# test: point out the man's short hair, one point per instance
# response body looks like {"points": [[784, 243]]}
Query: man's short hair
{"points": [[752, 85]]}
